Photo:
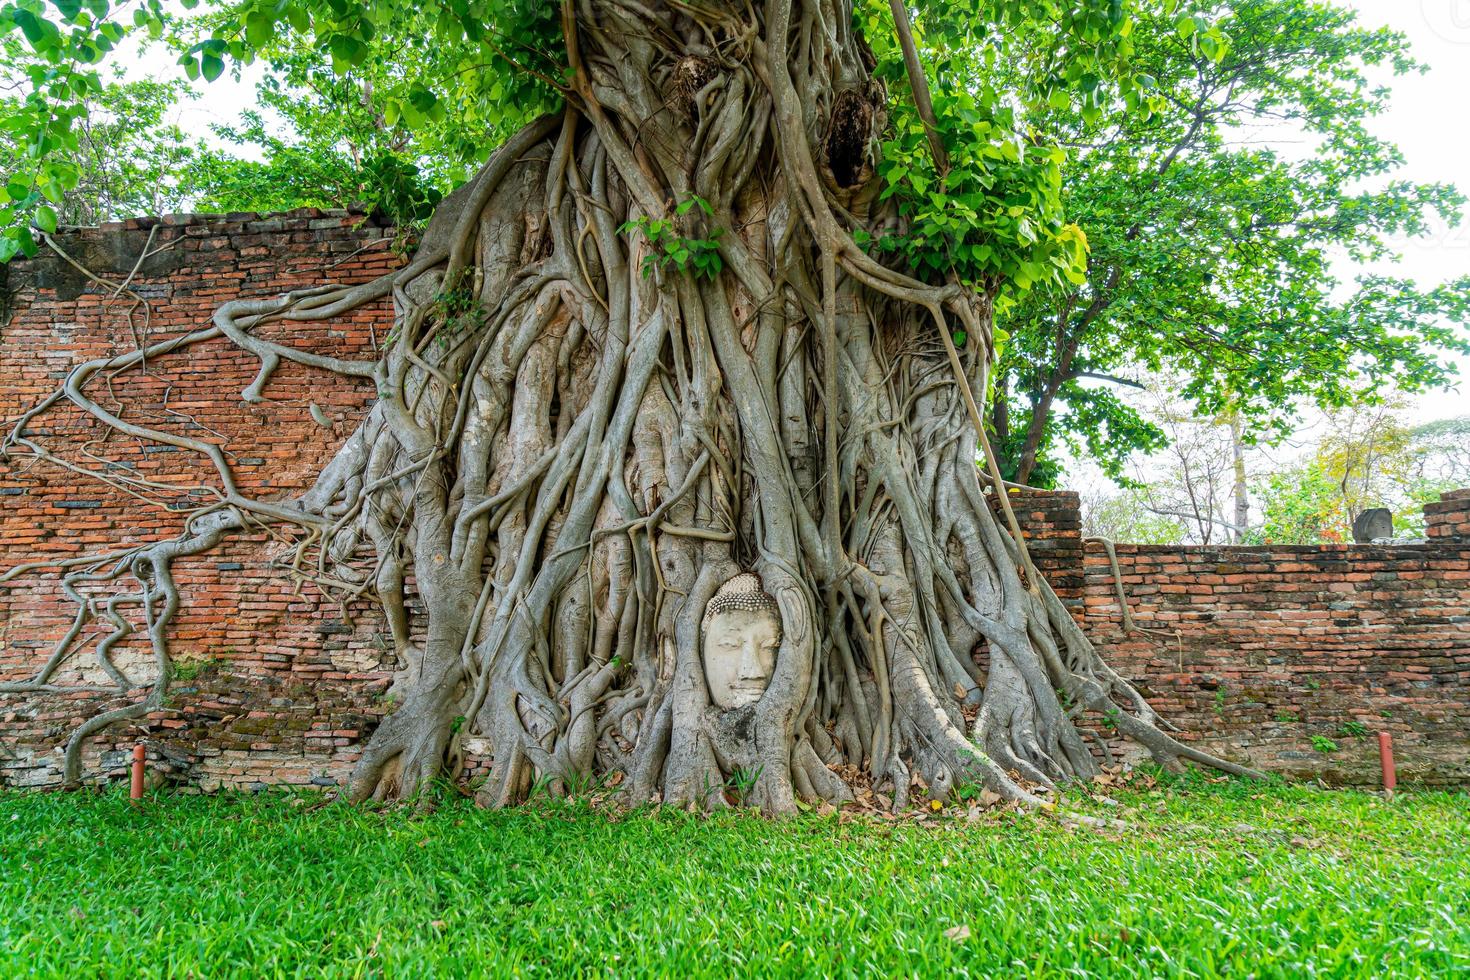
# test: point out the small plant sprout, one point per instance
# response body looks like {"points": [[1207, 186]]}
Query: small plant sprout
{"points": [[741, 782], [698, 256]]}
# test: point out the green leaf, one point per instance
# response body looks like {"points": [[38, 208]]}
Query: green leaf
{"points": [[260, 28], [40, 33], [46, 219]]}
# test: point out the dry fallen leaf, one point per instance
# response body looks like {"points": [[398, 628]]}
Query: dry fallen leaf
{"points": [[959, 933]]}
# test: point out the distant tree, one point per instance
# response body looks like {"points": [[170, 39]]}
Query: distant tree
{"points": [[1368, 454], [130, 156], [1192, 479], [1210, 254], [1301, 505], [1127, 517], [295, 173], [330, 139], [1443, 448], [1367, 457], [320, 139]]}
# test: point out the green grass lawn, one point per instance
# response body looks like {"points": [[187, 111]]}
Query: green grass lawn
{"points": [[1210, 879]]}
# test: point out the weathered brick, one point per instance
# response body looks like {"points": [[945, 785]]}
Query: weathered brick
{"points": [[283, 692]]}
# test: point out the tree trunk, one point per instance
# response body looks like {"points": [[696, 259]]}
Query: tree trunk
{"points": [[1242, 494], [580, 442]]}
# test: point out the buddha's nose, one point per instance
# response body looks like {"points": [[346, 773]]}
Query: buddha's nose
{"points": [[750, 663]]}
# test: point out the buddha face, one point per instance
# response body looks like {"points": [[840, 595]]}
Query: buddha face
{"points": [[742, 633]]}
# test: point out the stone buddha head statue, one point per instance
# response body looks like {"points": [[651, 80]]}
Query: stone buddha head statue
{"points": [[742, 632]]}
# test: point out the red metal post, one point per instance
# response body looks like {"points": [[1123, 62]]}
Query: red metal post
{"points": [[1385, 761], [135, 792]]}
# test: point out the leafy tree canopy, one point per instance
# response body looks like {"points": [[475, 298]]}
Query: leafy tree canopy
{"points": [[1095, 174], [1211, 255], [413, 96], [127, 155]]}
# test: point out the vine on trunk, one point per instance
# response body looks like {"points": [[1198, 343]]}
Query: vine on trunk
{"points": [[577, 457]]}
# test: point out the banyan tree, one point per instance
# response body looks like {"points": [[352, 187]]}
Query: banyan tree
{"points": [[676, 466]]}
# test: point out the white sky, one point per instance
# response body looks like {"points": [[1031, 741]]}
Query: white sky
{"points": [[1425, 123]]}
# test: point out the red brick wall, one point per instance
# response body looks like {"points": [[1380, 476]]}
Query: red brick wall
{"points": [[1448, 519], [1252, 651], [1257, 652], [282, 689], [1051, 523]]}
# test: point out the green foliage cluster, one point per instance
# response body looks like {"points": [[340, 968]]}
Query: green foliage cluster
{"points": [[127, 153], [441, 82], [481, 67], [64, 45], [297, 172], [188, 670], [1210, 255], [1214, 880], [1300, 506], [459, 313], [669, 250], [993, 215]]}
